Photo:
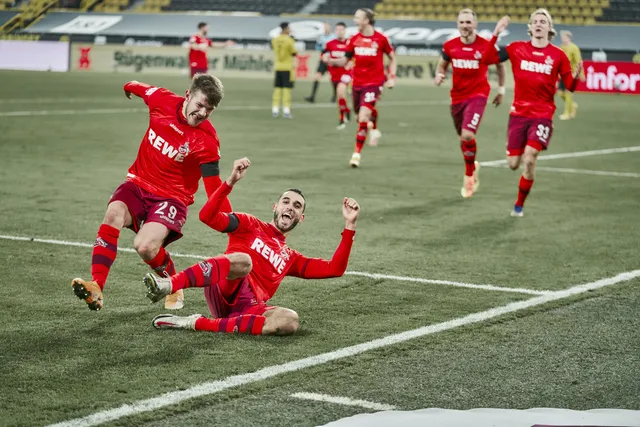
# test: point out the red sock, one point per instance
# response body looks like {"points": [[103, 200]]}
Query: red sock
{"points": [[374, 118], [245, 324], [104, 253], [343, 108], [204, 273], [361, 136], [523, 190], [162, 264], [469, 154]]}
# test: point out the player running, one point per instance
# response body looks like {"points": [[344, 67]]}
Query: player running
{"points": [[573, 53], [179, 147], [340, 75], [469, 91], [536, 65], [198, 45], [239, 284], [368, 48]]}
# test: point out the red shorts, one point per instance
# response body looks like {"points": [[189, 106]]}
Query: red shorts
{"points": [[468, 114], [147, 207], [365, 96], [343, 76], [195, 71], [243, 301], [525, 131]]}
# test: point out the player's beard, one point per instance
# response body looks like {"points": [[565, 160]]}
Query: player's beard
{"points": [[277, 218]]}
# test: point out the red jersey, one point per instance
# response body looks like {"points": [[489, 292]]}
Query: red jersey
{"points": [[368, 52], [470, 74], [272, 259], [536, 72], [198, 58], [171, 152], [336, 49]]}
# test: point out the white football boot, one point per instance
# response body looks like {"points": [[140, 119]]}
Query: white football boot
{"points": [[170, 321]]}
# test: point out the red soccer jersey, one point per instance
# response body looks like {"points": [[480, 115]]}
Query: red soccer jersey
{"points": [[198, 58], [469, 73], [336, 49], [171, 152], [535, 72], [369, 58]]}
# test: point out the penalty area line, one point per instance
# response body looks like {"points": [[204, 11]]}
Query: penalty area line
{"points": [[344, 401], [348, 273], [212, 387]]}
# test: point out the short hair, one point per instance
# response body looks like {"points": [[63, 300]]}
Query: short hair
{"points": [[210, 86], [341, 24], [467, 10], [297, 191], [284, 25], [370, 14], [201, 25], [545, 12]]}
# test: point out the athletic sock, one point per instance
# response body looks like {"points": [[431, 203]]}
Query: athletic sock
{"points": [[162, 264], [469, 153], [245, 324], [204, 273], [523, 190], [104, 253], [361, 136]]}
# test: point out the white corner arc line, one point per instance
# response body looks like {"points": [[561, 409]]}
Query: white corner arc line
{"points": [[213, 387], [349, 273], [571, 155], [344, 401], [447, 283]]}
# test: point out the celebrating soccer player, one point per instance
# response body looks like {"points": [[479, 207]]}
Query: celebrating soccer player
{"points": [[198, 45], [469, 91], [536, 66], [368, 47], [179, 147], [239, 284], [340, 75], [284, 48], [573, 53]]}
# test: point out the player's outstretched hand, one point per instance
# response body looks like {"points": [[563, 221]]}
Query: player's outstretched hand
{"points": [[350, 211], [128, 94], [439, 79], [497, 100], [502, 25], [240, 167]]}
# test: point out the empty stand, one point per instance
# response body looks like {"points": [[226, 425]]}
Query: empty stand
{"points": [[622, 11], [344, 7], [266, 7]]}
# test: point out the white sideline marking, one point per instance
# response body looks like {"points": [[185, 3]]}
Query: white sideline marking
{"points": [[447, 283], [351, 273], [212, 387], [589, 172], [344, 401], [222, 108], [570, 155]]}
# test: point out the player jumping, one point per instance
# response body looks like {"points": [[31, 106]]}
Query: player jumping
{"points": [[536, 66], [368, 47], [340, 76], [239, 284], [469, 91], [179, 147]]}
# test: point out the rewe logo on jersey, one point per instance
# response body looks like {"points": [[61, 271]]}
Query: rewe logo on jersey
{"points": [[269, 254], [337, 54], [536, 67], [366, 51], [468, 64], [160, 144]]}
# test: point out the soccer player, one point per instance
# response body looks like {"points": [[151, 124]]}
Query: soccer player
{"points": [[368, 48], [198, 45], [573, 53], [469, 91], [340, 76], [179, 147], [285, 49], [536, 66], [322, 66], [239, 284]]}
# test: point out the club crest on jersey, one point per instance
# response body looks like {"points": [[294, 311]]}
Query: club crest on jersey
{"points": [[183, 152], [477, 55], [549, 60]]}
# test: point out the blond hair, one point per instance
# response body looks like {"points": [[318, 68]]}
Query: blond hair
{"points": [[545, 12], [467, 10], [566, 33]]}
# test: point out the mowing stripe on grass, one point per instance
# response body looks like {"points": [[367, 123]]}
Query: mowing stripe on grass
{"points": [[579, 171], [349, 273], [570, 155], [213, 387], [344, 401], [30, 113]]}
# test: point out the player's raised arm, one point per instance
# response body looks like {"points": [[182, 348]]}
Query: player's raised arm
{"points": [[211, 213], [317, 268], [494, 54]]}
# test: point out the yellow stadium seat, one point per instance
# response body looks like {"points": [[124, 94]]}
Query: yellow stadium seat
{"points": [[590, 21]]}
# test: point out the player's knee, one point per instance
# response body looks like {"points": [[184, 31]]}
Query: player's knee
{"points": [[115, 215], [282, 321], [513, 163], [146, 248], [240, 264], [467, 135]]}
